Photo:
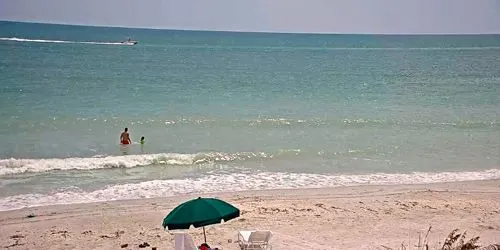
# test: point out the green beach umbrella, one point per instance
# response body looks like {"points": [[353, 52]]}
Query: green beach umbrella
{"points": [[200, 212]]}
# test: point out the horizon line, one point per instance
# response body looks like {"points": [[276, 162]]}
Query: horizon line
{"points": [[241, 31]]}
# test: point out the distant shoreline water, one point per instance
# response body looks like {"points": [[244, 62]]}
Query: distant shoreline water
{"points": [[16, 39], [240, 31]]}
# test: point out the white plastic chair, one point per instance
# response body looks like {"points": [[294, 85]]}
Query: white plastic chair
{"points": [[183, 241], [254, 240]]}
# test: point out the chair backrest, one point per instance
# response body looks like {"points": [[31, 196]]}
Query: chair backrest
{"points": [[259, 237], [183, 241]]}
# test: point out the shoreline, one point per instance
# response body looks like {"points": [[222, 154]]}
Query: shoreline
{"points": [[356, 217], [476, 185], [228, 182]]}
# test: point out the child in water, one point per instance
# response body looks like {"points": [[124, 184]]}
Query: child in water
{"points": [[142, 140]]}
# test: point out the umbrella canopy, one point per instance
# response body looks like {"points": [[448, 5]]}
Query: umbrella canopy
{"points": [[199, 213]]}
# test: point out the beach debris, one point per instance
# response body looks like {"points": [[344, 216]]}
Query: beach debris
{"points": [[16, 238], [487, 227], [402, 206], [491, 247], [429, 207], [87, 232], [64, 233], [143, 245], [117, 234], [16, 243], [342, 209], [274, 210], [32, 215], [321, 205], [413, 203], [370, 209], [124, 245]]}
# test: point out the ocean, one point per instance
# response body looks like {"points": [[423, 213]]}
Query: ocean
{"points": [[229, 111]]}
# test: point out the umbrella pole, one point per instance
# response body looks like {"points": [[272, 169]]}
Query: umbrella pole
{"points": [[204, 235]]}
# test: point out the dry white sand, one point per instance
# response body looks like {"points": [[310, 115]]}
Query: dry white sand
{"points": [[364, 217]]}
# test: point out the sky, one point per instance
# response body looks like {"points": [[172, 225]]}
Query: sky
{"points": [[295, 16]]}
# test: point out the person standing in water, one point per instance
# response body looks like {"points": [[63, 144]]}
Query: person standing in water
{"points": [[125, 137], [142, 145]]}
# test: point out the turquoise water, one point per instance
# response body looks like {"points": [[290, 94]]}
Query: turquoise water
{"points": [[241, 110]]}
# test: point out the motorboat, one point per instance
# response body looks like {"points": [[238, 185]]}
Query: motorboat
{"points": [[129, 42]]}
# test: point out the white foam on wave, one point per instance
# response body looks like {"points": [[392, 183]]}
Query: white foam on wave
{"points": [[236, 182], [18, 166], [16, 39]]}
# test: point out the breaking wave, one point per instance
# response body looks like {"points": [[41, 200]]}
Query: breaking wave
{"points": [[235, 182], [18, 166]]}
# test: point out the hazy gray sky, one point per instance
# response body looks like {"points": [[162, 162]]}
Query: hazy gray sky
{"points": [[325, 16]]}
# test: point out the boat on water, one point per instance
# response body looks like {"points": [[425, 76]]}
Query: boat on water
{"points": [[129, 42]]}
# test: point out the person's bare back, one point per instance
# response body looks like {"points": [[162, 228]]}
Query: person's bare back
{"points": [[125, 137]]}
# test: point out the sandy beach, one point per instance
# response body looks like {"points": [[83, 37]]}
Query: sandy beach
{"points": [[363, 217]]}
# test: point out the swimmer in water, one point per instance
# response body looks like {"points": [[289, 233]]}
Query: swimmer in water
{"points": [[142, 140], [125, 137]]}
